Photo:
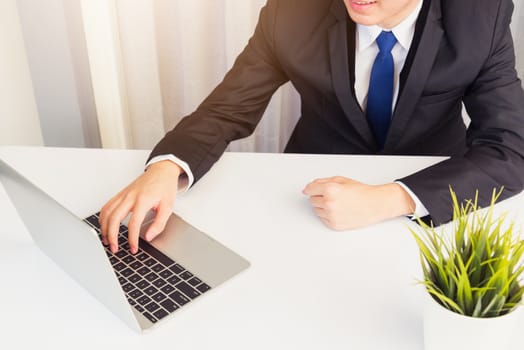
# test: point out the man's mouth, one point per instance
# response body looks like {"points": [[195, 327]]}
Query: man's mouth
{"points": [[362, 3]]}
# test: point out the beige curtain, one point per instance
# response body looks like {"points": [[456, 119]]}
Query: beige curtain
{"points": [[518, 35], [172, 53], [19, 123]]}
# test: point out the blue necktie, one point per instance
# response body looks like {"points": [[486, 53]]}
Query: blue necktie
{"points": [[380, 94]]}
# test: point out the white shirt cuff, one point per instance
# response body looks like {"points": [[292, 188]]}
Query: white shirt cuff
{"points": [[420, 209], [180, 163]]}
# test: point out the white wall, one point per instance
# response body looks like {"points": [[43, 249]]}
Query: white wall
{"points": [[19, 124]]}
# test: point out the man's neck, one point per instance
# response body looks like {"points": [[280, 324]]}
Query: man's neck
{"points": [[395, 20]]}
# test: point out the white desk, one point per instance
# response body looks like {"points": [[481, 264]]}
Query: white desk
{"points": [[308, 287]]}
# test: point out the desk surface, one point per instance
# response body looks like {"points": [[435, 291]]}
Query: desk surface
{"points": [[308, 287]]}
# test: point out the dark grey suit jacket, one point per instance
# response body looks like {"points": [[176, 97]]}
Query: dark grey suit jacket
{"points": [[462, 52]]}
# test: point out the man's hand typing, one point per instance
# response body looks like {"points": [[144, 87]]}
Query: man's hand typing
{"points": [[155, 189]]}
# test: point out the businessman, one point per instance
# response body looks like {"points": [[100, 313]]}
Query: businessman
{"points": [[375, 77]]}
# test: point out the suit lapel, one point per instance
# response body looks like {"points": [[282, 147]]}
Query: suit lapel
{"points": [[342, 68], [416, 70]]}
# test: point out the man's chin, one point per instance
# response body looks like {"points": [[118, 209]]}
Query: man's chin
{"points": [[364, 20]]}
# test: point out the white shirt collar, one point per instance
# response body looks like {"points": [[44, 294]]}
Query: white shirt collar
{"points": [[404, 31]]}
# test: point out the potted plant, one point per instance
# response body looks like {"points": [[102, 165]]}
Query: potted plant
{"points": [[473, 278]]}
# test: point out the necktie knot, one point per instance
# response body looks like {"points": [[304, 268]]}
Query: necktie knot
{"points": [[386, 41]]}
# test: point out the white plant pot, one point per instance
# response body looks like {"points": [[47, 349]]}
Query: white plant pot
{"points": [[447, 330]]}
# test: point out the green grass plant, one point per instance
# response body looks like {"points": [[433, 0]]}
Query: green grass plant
{"points": [[477, 270]]}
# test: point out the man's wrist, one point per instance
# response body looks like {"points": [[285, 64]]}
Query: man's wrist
{"points": [[186, 178], [399, 201], [166, 165], [420, 208]]}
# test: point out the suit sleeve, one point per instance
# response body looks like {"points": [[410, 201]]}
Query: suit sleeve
{"points": [[234, 108], [495, 157]]}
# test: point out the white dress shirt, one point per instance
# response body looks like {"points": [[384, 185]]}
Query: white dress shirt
{"points": [[366, 49]]}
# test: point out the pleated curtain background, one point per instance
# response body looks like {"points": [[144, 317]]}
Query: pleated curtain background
{"points": [[174, 52], [518, 35]]}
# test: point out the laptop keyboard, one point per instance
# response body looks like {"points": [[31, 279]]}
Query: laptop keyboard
{"points": [[154, 284]]}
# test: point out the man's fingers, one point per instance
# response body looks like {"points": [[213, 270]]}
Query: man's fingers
{"points": [[325, 222], [106, 213], [135, 222], [317, 201], [321, 213], [319, 186], [322, 180], [340, 180], [164, 210], [114, 221], [314, 188]]}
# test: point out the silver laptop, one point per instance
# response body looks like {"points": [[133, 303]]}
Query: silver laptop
{"points": [[143, 290]]}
